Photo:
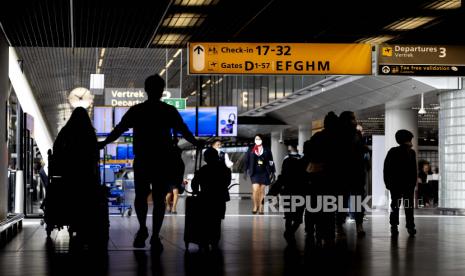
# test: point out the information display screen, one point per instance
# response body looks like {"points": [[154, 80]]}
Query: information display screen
{"points": [[188, 115], [227, 121], [130, 151], [207, 121], [119, 113], [122, 151], [103, 119], [110, 151]]}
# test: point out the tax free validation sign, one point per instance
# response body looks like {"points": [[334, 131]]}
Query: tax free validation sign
{"points": [[279, 58]]}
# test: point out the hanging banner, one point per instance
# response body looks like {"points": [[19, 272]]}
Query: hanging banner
{"points": [[421, 60], [279, 58]]}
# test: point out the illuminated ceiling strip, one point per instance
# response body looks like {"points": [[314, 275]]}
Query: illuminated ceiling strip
{"points": [[445, 5], [196, 2], [409, 23], [376, 39]]}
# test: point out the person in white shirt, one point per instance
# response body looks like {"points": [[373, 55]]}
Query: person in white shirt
{"points": [[216, 144]]}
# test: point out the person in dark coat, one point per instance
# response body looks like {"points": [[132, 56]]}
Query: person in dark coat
{"points": [[400, 177], [211, 184], [320, 155], [291, 183], [259, 165], [75, 158], [153, 123], [352, 168]]}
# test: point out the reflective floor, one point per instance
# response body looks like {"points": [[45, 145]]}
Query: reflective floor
{"points": [[251, 245]]}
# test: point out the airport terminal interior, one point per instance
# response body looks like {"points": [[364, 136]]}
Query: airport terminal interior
{"points": [[300, 98]]}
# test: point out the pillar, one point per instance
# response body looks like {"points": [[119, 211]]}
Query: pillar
{"points": [[3, 127], [278, 149], [452, 149], [305, 132], [397, 116]]}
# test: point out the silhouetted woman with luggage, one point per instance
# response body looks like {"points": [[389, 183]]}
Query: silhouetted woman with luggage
{"points": [[75, 159]]}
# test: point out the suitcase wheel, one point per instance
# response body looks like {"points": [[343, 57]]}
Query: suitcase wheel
{"points": [[129, 212]]}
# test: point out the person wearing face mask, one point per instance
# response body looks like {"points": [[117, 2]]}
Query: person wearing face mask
{"points": [[216, 144], [259, 166]]}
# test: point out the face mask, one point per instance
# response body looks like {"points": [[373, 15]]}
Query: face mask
{"points": [[258, 142]]}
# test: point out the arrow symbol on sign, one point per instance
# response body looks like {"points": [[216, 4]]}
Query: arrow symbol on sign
{"points": [[198, 49]]}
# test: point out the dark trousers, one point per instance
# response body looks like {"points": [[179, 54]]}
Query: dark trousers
{"points": [[146, 181], [405, 198], [319, 223]]}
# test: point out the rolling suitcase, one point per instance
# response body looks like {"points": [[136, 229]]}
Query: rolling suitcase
{"points": [[193, 214]]}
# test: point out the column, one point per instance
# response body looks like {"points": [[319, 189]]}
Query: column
{"points": [[278, 149], [3, 127], [397, 116], [305, 132], [452, 149]]}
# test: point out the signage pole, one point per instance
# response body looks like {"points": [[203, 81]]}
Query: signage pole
{"points": [[180, 74], [197, 104]]}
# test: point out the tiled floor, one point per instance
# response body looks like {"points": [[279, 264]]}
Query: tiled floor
{"points": [[252, 245]]}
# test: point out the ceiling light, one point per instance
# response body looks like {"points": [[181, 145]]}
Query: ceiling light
{"points": [[102, 52], [169, 63], [162, 72], [375, 39], [422, 110], [445, 5], [194, 92], [100, 61], [170, 39], [177, 53], [409, 23], [181, 20], [195, 2], [203, 85]]}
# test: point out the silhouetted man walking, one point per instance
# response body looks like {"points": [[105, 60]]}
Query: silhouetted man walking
{"points": [[400, 177], [153, 122]]}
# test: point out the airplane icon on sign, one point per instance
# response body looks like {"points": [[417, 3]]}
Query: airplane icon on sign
{"points": [[387, 51]]}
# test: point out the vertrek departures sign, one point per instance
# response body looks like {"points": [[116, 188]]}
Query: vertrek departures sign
{"points": [[421, 60], [133, 96], [280, 58], [124, 96]]}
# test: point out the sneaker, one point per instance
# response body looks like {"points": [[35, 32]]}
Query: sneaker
{"points": [[141, 236], [394, 231], [360, 230], [156, 245], [411, 231]]}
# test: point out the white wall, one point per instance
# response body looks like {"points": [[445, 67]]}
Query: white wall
{"points": [[379, 191]]}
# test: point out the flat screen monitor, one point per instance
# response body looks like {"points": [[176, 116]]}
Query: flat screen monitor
{"points": [[110, 150], [130, 151], [188, 115], [103, 119], [122, 151], [227, 121], [207, 121], [119, 113]]}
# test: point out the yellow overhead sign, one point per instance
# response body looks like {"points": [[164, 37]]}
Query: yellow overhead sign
{"points": [[279, 58]]}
